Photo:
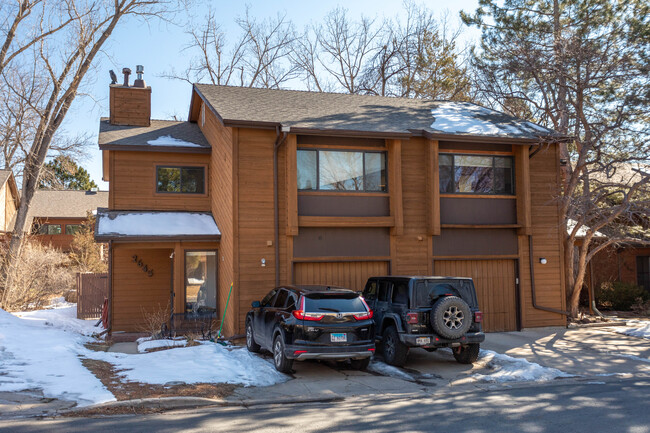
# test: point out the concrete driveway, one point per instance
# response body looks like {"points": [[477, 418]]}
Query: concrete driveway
{"points": [[585, 354]]}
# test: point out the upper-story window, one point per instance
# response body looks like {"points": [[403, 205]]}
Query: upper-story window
{"points": [[476, 174], [185, 180], [341, 170]]}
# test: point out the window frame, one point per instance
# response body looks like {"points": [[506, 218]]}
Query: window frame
{"points": [[47, 226], [318, 150], [181, 167], [453, 156], [79, 228], [216, 278]]}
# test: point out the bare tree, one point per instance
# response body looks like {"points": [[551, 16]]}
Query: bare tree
{"points": [[259, 57], [582, 69], [61, 59]]}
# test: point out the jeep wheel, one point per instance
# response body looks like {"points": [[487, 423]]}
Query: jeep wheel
{"points": [[451, 317], [360, 364], [281, 362], [251, 345], [394, 350], [466, 354]]}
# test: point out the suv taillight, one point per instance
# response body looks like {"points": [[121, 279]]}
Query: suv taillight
{"points": [[478, 316], [301, 315], [363, 316], [412, 318]]}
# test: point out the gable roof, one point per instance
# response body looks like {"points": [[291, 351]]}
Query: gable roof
{"points": [[4, 176], [64, 204], [345, 114], [160, 136]]}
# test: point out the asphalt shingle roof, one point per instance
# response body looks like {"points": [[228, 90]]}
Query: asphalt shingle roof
{"points": [[65, 204], [312, 111], [161, 135]]}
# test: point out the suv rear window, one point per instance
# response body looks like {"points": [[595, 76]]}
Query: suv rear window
{"points": [[423, 287], [334, 304]]}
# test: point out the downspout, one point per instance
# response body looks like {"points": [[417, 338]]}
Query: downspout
{"points": [[279, 140], [110, 287], [532, 271], [171, 295]]}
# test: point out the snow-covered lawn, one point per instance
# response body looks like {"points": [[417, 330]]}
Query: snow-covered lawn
{"points": [[146, 343], [636, 328], [43, 350], [505, 368]]}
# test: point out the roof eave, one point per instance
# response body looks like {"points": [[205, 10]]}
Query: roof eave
{"points": [[144, 148], [157, 238]]}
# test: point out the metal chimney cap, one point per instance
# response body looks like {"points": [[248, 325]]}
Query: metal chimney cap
{"points": [[139, 69]]}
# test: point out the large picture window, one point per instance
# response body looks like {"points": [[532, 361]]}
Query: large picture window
{"points": [[200, 282], [476, 174], [185, 180], [336, 170]]}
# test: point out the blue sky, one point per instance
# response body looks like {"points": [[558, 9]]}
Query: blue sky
{"points": [[159, 46]]}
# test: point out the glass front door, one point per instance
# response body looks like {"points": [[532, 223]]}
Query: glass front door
{"points": [[200, 282]]}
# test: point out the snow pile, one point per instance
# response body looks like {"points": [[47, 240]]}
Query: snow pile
{"points": [[64, 317], [384, 369], [639, 328], [508, 369], [150, 344], [206, 363], [41, 351], [168, 140], [465, 118], [157, 224]]}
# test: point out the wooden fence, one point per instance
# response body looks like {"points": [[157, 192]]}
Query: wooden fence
{"points": [[91, 291]]}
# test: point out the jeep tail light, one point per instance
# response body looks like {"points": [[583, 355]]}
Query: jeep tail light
{"points": [[301, 315], [364, 316], [478, 317], [412, 318]]}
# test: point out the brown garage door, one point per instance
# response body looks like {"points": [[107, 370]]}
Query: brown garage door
{"points": [[352, 275], [495, 287]]}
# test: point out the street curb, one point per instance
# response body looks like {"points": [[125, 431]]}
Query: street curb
{"points": [[172, 403]]}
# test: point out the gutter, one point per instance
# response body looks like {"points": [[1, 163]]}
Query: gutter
{"points": [[281, 133]]}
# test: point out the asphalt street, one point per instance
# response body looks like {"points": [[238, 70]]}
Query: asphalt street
{"points": [[610, 405]]}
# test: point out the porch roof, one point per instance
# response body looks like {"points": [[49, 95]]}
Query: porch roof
{"points": [[155, 226]]}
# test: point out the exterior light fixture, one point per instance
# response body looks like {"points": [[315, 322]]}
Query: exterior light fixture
{"points": [[543, 260]]}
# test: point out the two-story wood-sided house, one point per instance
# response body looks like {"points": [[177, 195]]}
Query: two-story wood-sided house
{"points": [[265, 187]]}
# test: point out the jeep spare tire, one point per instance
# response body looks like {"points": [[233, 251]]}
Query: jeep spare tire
{"points": [[451, 317]]}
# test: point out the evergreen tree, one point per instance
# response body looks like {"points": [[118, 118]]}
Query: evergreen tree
{"points": [[581, 68], [63, 173]]}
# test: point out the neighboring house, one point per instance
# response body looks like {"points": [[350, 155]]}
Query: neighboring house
{"points": [[9, 201], [264, 187], [55, 215]]}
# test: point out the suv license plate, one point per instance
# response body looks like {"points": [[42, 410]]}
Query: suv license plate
{"points": [[339, 338], [421, 341]]}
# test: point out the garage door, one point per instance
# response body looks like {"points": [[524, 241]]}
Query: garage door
{"points": [[495, 287], [352, 275]]}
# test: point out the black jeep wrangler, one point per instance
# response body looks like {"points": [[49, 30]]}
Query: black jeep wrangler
{"points": [[426, 312]]}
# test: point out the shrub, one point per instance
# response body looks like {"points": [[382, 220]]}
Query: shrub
{"points": [[86, 254], [620, 296], [39, 274], [153, 320]]}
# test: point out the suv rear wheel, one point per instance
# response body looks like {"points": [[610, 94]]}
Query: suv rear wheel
{"points": [[394, 350], [281, 362], [466, 354], [451, 317]]}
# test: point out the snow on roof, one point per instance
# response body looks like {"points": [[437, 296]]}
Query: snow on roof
{"points": [[121, 224], [465, 118], [168, 140]]}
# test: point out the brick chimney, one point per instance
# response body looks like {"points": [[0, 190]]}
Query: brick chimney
{"points": [[130, 105]]}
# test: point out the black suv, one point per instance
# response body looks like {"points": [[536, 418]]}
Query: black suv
{"points": [[426, 312], [298, 323]]}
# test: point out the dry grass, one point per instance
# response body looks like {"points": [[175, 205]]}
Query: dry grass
{"points": [[39, 274]]}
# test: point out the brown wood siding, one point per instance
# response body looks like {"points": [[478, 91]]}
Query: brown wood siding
{"points": [[62, 241], [255, 222], [410, 255], [495, 286], [545, 222], [134, 293], [133, 182], [130, 106], [222, 193], [352, 275]]}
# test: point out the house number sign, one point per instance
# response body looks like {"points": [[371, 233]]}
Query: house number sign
{"points": [[146, 269]]}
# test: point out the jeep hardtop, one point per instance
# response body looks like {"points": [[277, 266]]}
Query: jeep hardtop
{"points": [[426, 312]]}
